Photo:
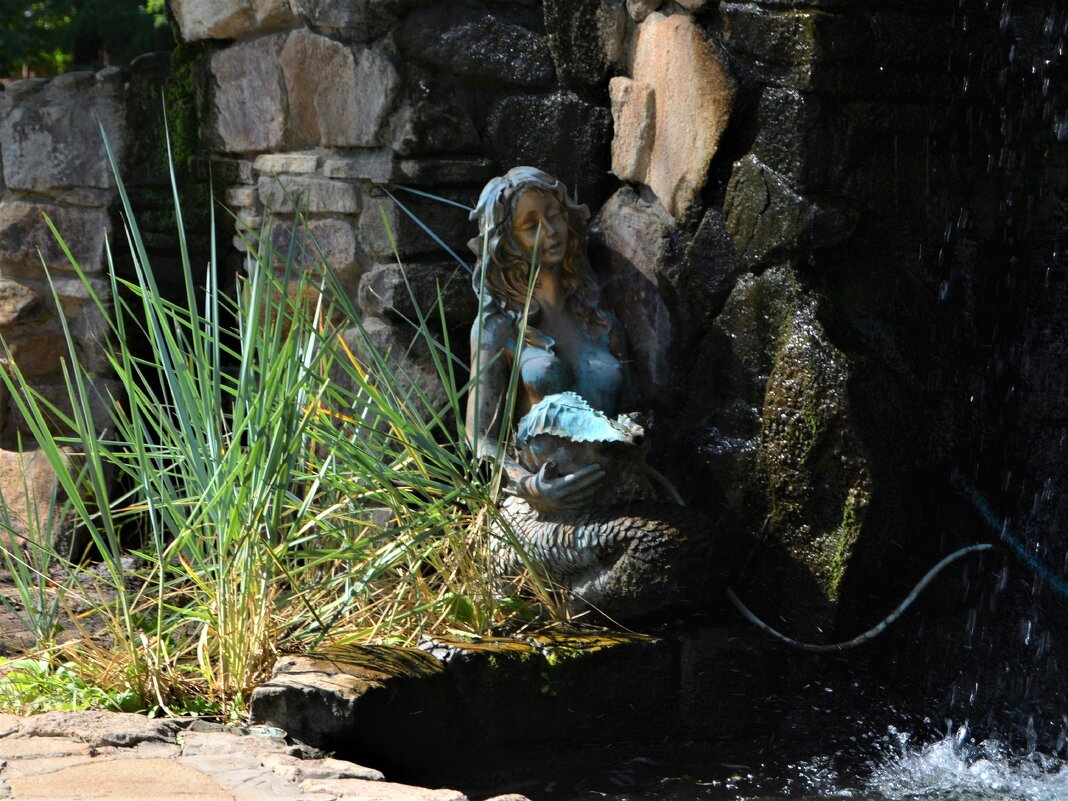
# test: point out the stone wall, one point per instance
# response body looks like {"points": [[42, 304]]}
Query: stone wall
{"points": [[54, 164], [814, 218], [316, 106]]}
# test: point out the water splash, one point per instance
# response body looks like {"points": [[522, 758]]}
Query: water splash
{"points": [[958, 769]]}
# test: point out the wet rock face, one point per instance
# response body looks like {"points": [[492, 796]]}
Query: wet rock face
{"points": [[476, 45], [823, 224]]}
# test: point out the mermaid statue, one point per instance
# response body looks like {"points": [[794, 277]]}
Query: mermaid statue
{"points": [[552, 403]]}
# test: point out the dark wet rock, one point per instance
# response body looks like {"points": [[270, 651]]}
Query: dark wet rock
{"points": [[550, 699], [476, 44], [718, 430], [525, 129], [712, 267], [818, 479], [356, 20], [435, 117], [634, 247], [790, 125], [768, 218], [384, 225], [795, 36], [444, 171], [316, 701], [576, 32], [399, 291]]}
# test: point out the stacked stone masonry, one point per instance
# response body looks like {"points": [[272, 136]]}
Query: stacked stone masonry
{"points": [[771, 181], [56, 170]]}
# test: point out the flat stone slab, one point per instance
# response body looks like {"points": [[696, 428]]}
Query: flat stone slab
{"points": [[106, 755]]}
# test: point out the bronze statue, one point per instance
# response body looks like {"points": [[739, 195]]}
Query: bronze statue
{"points": [[580, 504]]}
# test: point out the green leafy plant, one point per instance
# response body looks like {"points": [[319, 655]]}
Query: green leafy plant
{"points": [[276, 482]]}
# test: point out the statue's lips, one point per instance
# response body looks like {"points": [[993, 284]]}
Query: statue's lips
{"points": [[552, 254]]}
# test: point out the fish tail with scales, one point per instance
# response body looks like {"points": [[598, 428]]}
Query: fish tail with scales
{"points": [[651, 558]]}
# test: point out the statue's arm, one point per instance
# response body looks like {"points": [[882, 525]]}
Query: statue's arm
{"points": [[492, 343]]}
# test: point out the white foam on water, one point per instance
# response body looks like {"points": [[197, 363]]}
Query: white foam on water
{"points": [[954, 769]]}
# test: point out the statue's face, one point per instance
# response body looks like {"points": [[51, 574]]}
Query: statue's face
{"points": [[536, 208]]}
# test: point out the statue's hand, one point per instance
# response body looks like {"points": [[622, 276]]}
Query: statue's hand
{"points": [[552, 492]]}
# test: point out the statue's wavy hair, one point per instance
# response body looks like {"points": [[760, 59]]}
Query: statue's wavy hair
{"points": [[507, 266]]}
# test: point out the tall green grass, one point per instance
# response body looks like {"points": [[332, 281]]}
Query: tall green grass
{"points": [[267, 480]]}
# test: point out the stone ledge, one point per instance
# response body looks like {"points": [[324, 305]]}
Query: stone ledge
{"points": [[501, 704]]}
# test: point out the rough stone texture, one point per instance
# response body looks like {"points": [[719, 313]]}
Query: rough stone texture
{"points": [[317, 698], [525, 129], [382, 218], [275, 163], [476, 44], [50, 133], [25, 238], [249, 99], [99, 728], [635, 236], [640, 9], [297, 770], [766, 217], [38, 354], [818, 480], [79, 754], [108, 780], [361, 790], [432, 121], [693, 93], [391, 290], [31, 499], [234, 171], [582, 40], [18, 303], [241, 197], [634, 120], [229, 19], [357, 20], [331, 240], [374, 165], [286, 193], [350, 108]]}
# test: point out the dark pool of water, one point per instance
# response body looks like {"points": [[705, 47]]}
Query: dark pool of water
{"points": [[890, 767]]}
